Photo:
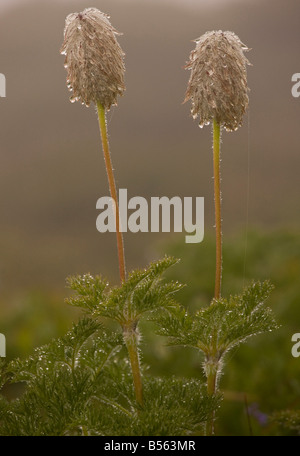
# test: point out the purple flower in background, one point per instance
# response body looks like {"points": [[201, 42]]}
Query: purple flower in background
{"points": [[261, 417]]}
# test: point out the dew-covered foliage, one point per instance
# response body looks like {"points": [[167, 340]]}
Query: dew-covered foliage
{"points": [[216, 329], [81, 383], [143, 292], [288, 421]]}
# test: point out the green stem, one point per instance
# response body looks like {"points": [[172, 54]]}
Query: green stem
{"points": [[131, 341], [112, 188], [218, 220], [84, 431], [211, 369]]}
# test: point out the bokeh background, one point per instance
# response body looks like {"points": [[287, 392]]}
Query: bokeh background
{"points": [[52, 173]]}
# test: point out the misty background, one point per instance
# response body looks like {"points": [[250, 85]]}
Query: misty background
{"points": [[52, 168]]}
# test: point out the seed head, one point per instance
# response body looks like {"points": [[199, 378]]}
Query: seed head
{"points": [[217, 86], [94, 59]]}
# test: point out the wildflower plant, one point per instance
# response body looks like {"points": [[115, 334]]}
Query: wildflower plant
{"points": [[91, 381], [95, 74], [95, 66], [218, 91]]}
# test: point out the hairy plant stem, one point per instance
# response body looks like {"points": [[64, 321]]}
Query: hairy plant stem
{"points": [[112, 188], [131, 340], [217, 193], [129, 333], [211, 370]]}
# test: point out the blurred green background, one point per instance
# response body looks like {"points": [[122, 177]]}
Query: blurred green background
{"points": [[52, 173]]}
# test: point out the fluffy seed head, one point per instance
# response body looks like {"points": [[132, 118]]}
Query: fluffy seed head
{"points": [[94, 59], [217, 86]]}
